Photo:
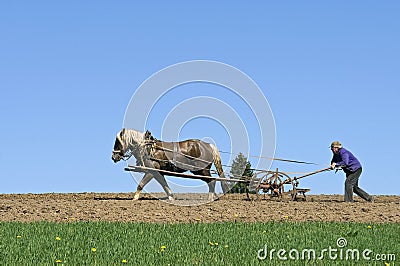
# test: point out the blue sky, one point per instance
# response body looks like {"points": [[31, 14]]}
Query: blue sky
{"points": [[329, 70]]}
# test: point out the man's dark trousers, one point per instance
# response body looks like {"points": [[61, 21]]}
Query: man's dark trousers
{"points": [[351, 185]]}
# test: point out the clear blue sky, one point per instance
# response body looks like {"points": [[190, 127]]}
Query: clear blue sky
{"points": [[330, 71]]}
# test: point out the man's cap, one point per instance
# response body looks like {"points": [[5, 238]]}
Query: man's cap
{"points": [[336, 144]]}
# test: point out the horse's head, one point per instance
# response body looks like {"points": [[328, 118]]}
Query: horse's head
{"points": [[119, 152], [126, 142]]}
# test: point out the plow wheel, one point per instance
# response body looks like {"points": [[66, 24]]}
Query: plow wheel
{"points": [[271, 183]]}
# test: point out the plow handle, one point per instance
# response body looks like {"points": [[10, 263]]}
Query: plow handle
{"points": [[313, 173]]}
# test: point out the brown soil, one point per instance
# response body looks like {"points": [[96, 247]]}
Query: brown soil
{"points": [[120, 207]]}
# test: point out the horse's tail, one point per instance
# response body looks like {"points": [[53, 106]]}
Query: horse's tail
{"points": [[218, 165]]}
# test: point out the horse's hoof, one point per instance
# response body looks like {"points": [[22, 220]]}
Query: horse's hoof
{"points": [[136, 197], [171, 198], [212, 197]]}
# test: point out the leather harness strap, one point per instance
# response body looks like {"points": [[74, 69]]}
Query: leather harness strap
{"points": [[175, 153]]}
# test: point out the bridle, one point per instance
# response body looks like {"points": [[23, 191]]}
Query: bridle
{"points": [[128, 154]]}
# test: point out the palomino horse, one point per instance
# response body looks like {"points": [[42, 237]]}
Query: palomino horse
{"points": [[191, 155]]}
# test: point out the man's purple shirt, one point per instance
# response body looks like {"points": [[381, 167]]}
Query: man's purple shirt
{"points": [[346, 160]]}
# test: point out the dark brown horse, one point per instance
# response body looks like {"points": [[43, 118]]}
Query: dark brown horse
{"points": [[191, 155]]}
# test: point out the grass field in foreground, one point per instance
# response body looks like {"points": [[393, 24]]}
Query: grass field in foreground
{"points": [[105, 243]]}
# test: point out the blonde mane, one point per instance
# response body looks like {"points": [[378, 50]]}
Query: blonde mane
{"points": [[132, 139]]}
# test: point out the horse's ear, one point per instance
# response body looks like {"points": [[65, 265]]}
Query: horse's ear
{"points": [[122, 132], [147, 134]]}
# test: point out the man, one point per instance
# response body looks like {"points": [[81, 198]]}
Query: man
{"points": [[344, 159]]}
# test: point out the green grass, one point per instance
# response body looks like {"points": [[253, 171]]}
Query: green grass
{"points": [[187, 244]]}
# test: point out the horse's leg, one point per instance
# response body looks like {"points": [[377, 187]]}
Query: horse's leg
{"points": [[211, 190], [146, 178], [161, 179], [211, 183]]}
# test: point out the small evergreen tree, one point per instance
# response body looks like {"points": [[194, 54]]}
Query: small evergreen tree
{"points": [[241, 169]]}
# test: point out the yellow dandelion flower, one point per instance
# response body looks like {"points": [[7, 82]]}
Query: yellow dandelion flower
{"points": [[226, 246], [236, 215], [94, 249], [19, 236], [211, 243], [387, 264], [58, 261], [369, 227], [286, 217], [58, 238], [124, 261], [216, 243]]}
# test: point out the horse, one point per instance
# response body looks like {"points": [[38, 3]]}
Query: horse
{"points": [[191, 155]]}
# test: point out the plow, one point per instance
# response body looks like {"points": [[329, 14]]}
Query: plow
{"points": [[273, 183]]}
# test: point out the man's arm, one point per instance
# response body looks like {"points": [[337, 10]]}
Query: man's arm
{"points": [[333, 162]]}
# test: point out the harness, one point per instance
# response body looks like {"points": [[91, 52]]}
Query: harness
{"points": [[146, 152]]}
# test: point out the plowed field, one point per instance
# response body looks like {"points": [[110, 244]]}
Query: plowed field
{"points": [[120, 207]]}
